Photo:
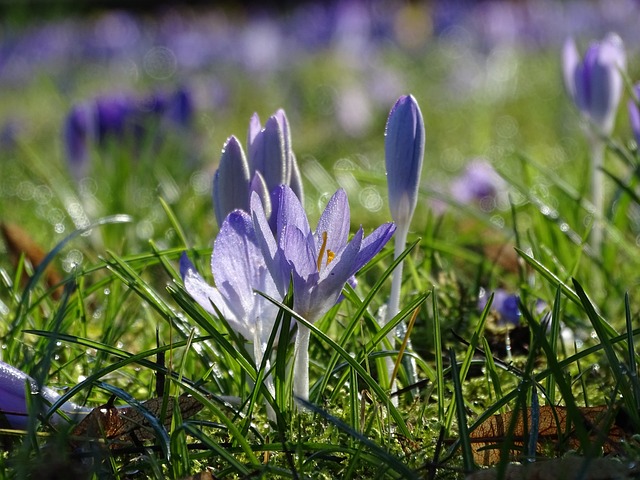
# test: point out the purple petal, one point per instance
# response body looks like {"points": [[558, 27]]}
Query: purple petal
{"points": [[570, 61], [266, 154], [372, 244], [231, 181], [289, 211], [208, 297], [259, 186], [254, 129], [606, 82], [296, 179], [335, 222], [299, 253], [236, 260], [334, 276], [273, 256], [281, 117], [200, 290]]}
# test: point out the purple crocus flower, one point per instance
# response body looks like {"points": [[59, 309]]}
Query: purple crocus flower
{"points": [[595, 82], [404, 152], [270, 163], [319, 263], [634, 113], [478, 183], [239, 270], [505, 304], [14, 413]]}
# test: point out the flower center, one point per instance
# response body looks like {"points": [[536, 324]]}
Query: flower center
{"points": [[323, 249]]}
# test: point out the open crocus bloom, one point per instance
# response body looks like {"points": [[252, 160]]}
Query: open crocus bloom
{"points": [[319, 262], [15, 386], [239, 270]]}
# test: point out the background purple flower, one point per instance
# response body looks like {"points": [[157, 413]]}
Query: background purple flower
{"points": [[504, 304], [479, 182], [595, 81], [122, 117]]}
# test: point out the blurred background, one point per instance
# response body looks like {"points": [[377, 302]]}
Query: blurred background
{"points": [[165, 84]]}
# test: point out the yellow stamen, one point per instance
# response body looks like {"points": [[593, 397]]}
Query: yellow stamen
{"points": [[330, 256], [323, 249]]}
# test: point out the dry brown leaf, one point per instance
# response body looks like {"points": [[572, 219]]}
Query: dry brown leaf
{"points": [[553, 429], [19, 242], [125, 426], [565, 468]]}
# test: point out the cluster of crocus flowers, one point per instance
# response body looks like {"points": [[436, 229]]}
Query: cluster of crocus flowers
{"points": [[595, 84], [266, 244], [248, 256], [271, 162], [121, 117]]}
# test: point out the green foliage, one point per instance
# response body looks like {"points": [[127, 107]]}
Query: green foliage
{"points": [[122, 319]]}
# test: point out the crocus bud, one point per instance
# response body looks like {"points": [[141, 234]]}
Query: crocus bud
{"points": [[259, 186], [267, 152], [595, 82], [634, 113], [404, 151], [231, 181], [296, 179], [15, 385]]}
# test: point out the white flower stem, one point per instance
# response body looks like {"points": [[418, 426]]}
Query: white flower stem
{"points": [[597, 192], [393, 306], [301, 363], [258, 355]]}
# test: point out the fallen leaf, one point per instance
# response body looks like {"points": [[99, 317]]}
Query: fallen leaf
{"points": [[19, 243], [553, 429], [127, 426]]}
